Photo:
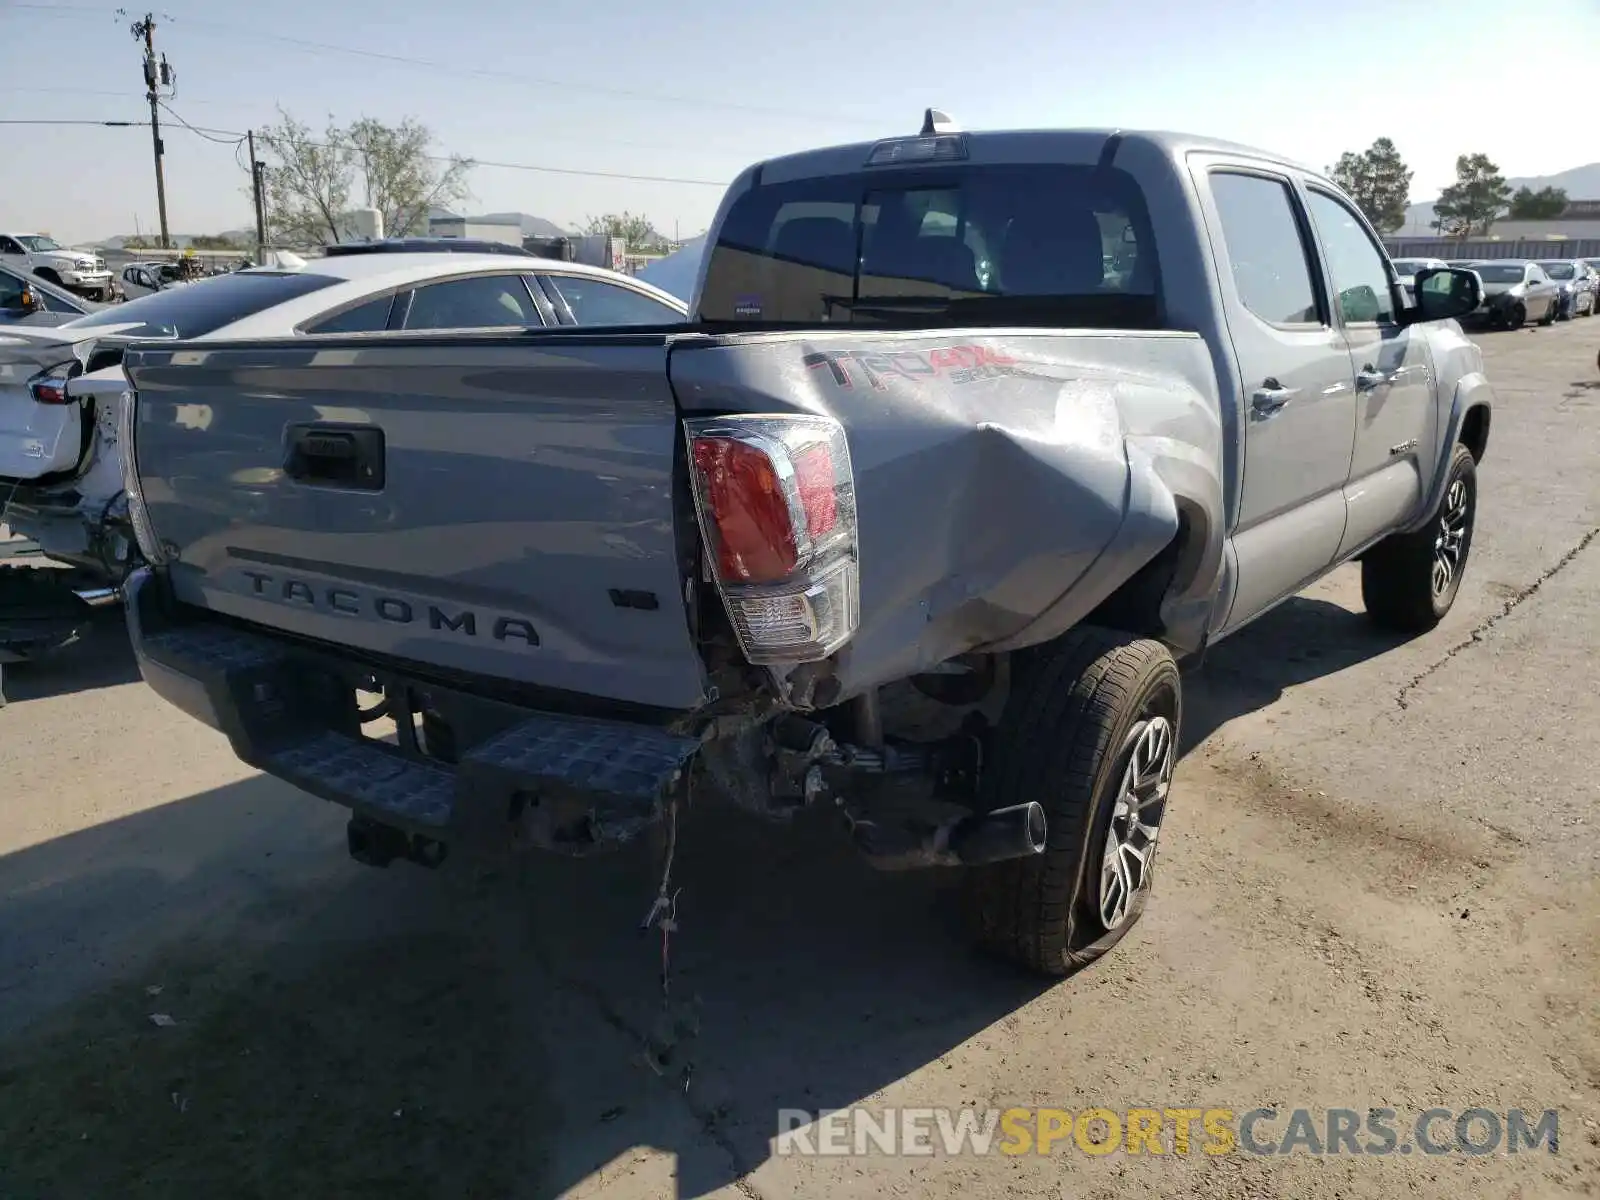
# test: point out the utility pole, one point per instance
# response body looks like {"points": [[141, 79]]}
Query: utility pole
{"points": [[257, 169], [156, 75]]}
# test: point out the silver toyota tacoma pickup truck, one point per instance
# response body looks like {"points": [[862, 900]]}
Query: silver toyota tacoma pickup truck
{"points": [[969, 439]]}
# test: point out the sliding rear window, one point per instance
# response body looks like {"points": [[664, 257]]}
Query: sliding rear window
{"points": [[963, 245]]}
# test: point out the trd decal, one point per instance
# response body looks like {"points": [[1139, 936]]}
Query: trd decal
{"points": [[952, 364]]}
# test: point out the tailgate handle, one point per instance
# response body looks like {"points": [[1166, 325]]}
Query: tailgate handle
{"points": [[346, 456]]}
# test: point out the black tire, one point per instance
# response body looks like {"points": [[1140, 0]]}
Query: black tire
{"points": [[1516, 317], [1553, 315], [1399, 576], [1079, 709]]}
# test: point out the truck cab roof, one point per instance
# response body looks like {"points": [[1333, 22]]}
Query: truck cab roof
{"points": [[1073, 146]]}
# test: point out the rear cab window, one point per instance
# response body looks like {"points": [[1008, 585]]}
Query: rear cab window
{"points": [[959, 244], [1268, 255]]}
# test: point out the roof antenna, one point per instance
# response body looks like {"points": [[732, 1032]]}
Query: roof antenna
{"points": [[937, 121]]}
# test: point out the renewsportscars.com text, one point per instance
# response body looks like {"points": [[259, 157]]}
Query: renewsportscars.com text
{"points": [[1154, 1131]]}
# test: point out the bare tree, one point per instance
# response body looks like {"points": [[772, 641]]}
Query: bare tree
{"points": [[312, 181], [633, 228]]}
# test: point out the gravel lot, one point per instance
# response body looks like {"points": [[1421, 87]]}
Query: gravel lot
{"points": [[1379, 888]]}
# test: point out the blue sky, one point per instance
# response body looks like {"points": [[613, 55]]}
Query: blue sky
{"points": [[717, 85]]}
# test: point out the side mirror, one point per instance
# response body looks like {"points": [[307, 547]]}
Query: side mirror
{"points": [[1442, 293], [29, 301]]}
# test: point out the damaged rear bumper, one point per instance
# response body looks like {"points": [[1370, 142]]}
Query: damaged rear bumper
{"points": [[529, 779]]}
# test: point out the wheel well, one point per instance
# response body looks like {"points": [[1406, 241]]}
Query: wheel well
{"points": [[1475, 431], [1135, 607]]}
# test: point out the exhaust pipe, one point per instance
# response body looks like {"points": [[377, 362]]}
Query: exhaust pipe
{"points": [[1006, 833], [970, 841], [101, 597]]}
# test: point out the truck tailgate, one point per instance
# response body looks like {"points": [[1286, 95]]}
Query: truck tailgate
{"points": [[500, 505]]}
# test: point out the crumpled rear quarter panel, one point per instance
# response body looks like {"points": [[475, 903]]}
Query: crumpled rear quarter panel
{"points": [[997, 498]]}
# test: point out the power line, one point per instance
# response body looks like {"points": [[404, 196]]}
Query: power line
{"points": [[232, 141], [517, 77], [232, 137], [506, 166], [111, 125]]}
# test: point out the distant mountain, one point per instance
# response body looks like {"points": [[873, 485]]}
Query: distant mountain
{"points": [[1580, 183], [244, 238]]}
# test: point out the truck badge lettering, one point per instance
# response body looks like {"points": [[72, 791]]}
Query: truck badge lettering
{"points": [[509, 627], [394, 609], [464, 622], [956, 364]]}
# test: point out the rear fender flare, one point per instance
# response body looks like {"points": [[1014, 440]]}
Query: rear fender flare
{"points": [[1193, 482]]}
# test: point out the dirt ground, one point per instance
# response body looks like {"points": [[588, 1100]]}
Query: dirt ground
{"points": [[1379, 888]]}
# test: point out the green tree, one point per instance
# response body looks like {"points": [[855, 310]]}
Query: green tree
{"points": [[213, 241], [1475, 201], [312, 180], [1546, 203], [1379, 181], [633, 228]]}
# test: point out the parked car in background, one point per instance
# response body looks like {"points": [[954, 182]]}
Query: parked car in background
{"points": [[911, 523], [142, 278], [1575, 282], [1407, 268], [1515, 291], [83, 271], [28, 300]]}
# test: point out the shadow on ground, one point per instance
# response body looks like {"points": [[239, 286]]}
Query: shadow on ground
{"points": [[344, 1031], [101, 657], [1301, 640]]}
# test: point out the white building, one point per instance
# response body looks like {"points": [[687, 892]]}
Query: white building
{"points": [[509, 232]]}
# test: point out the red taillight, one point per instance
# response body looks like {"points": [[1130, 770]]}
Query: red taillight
{"points": [[49, 391], [754, 533], [776, 500], [813, 472], [50, 386]]}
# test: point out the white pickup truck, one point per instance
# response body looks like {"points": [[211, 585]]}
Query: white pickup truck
{"points": [[81, 270]]}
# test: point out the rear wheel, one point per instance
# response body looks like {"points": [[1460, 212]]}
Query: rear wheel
{"points": [[1090, 731], [1555, 312], [1516, 317], [1410, 580]]}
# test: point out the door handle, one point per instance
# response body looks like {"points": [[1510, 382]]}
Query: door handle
{"points": [[1370, 377], [349, 456], [1270, 398]]}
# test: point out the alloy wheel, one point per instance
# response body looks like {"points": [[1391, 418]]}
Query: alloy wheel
{"points": [[1450, 540], [1130, 843]]}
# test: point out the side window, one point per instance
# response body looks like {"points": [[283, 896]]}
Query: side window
{"points": [[10, 291], [480, 302], [9, 246], [371, 317], [1536, 274], [1266, 252], [1360, 274], [598, 302]]}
